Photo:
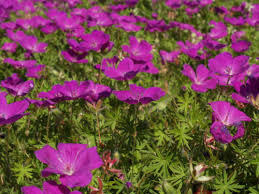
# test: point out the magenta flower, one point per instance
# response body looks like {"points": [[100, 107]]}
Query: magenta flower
{"points": [[49, 187], [138, 51], [9, 47], [147, 67], [74, 162], [224, 116], [16, 87], [15, 36], [236, 21], [35, 71], [195, 51], [200, 81], [212, 44], [25, 24], [241, 46], [107, 62], [138, 94], [94, 92], [74, 57], [248, 92], [97, 41], [253, 71], [55, 94], [10, 113], [238, 44], [227, 69], [169, 56], [39, 21], [8, 25], [219, 31], [41, 103], [68, 23], [125, 70], [49, 28], [254, 19], [20, 64], [174, 3], [156, 25], [100, 19], [31, 44], [70, 90]]}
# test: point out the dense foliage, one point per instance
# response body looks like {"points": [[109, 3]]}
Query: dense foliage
{"points": [[131, 96]]}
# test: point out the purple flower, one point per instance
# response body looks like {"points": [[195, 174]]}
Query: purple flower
{"points": [[35, 71], [253, 71], [169, 56], [221, 10], [70, 90], [10, 113], [26, 6], [68, 23], [156, 25], [237, 35], [74, 162], [16, 87], [106, 62], [200, 80], [254, 19], [49, 28], [8, 25], [49, 187], [138, 94], [9, 47], [147, 67], [219, 31], [74, 57], [190, 11], [128, 27], [94, 92], [224, 116], [31, 44], [174, 3], [15, 36], [26, 24], [226, 68], [128, 184], [125, 70], [41, 103], [20, 64], [241, 46], [236, 21], [248, 92], [212, 44], [97, 41], [195, 51], [55, 94], [100, 19], [39, 21], [138, 51]]}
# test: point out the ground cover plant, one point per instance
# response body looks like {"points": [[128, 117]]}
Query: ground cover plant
{"points": [[129, 96]]}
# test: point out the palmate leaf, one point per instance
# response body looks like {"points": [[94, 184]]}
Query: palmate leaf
{"points": [[158, 162], [227, 185], [179, 175], [182, 136], [22, 172]]}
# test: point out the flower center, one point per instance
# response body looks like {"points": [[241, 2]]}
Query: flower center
{"points": [[68, 170]]}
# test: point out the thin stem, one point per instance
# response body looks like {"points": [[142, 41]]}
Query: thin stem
{"points": [[47, 127], [98, 128]]}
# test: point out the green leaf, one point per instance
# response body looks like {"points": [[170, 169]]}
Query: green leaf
{"points": [[22, 172], [227, 184]]}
